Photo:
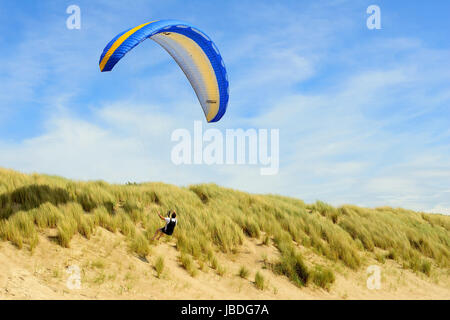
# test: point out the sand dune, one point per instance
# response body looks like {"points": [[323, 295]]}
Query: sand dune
{"points": [[52, 228], [110, 271]]}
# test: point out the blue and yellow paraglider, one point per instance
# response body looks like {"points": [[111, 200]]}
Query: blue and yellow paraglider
{"points": [[194, 52]]}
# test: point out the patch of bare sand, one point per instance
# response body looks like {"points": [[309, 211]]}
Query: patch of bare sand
{"points": [[110, 271]]}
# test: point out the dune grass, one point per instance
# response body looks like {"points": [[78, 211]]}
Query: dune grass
{"points": [[139, 245], [159, 266], [214, 219], [243, 272], [259, 281], [188, 263], [323, 277], [291, 263]]}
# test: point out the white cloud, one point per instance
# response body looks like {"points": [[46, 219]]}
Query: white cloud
{"points": [[374, 134]]}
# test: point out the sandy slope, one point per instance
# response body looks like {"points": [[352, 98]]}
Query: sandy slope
{"points": [[109, 271]]}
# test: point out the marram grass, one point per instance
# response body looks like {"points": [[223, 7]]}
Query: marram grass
{"points": [[213, 219]]}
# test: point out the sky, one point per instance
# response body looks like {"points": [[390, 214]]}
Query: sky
{"points": [[363, 115]]}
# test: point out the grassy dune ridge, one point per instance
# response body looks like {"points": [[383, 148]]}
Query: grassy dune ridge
{"points": [[214, 219]]}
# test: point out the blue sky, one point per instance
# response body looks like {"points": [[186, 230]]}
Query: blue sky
{"points": [[364, 115]]}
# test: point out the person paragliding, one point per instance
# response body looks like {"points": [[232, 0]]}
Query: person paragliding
{"points": [[171, 222]]}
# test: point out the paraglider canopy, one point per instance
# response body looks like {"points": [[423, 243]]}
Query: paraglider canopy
{"points": [[194, 52]]}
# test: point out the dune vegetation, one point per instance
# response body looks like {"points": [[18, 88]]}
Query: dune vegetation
{"points": [[213, 219]]}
